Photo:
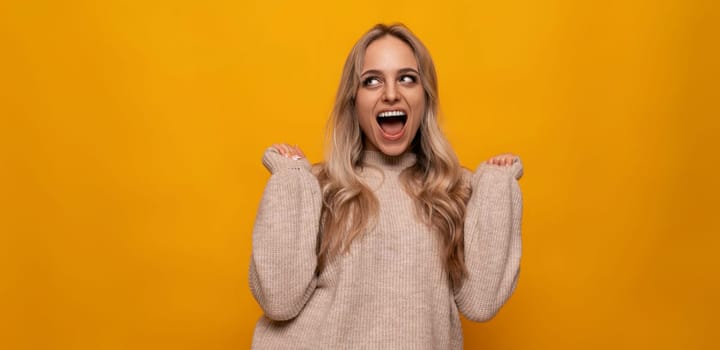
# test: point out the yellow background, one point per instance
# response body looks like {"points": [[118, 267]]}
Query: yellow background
{"points": [[131, 135]]}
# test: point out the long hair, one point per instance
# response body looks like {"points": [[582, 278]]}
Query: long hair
{"points": [[434, 181]]}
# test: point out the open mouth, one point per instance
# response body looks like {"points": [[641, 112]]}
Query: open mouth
{"points": [[392, 122]]}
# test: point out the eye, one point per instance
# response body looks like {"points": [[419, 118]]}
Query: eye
{"points": [[371, 81], [408, 78]]}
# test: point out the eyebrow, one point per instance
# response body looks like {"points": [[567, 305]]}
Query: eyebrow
{"points": [[400, 71]]}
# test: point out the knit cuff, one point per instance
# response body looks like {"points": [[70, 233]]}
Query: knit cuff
{"points": [[275, 162]]}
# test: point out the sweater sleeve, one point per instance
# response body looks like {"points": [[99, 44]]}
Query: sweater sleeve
{"points": [[492, 241], [282, 267]]}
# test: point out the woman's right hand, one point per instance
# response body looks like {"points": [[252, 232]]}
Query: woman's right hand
{"points": [[288, 151]]}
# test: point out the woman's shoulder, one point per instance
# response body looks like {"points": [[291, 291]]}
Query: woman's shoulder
{"points": [[466, 175], [318, 169]]}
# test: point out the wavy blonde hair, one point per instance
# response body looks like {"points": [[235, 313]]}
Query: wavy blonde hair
{"points": [[435, 181]]}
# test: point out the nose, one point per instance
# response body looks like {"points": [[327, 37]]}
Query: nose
{"points": [[390, 93]]}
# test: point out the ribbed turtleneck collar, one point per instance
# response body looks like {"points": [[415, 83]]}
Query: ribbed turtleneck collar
{"points": [[381, 160]]}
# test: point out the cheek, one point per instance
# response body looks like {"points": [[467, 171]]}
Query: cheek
{"points": [[363, 108], [415, 96], [362, 113], [418, 103], [418, 106]]}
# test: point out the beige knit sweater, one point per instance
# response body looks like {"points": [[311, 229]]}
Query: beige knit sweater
{"points": [[390, 291]]}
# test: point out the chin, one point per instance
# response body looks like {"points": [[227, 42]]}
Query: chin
{"points": [[394, 150]]}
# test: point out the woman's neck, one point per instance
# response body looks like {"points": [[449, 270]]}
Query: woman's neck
{"points": [[379, 159]]}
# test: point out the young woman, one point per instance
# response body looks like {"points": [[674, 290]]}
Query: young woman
{"points": [[388, 241]]}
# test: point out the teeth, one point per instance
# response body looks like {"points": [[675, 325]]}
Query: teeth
{"points": [[391, 114]]}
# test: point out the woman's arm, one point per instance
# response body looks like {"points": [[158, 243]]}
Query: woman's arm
{"points": [[492, 239], [282, 268]]}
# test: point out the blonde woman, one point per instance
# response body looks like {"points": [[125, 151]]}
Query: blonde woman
{"points": [[388, 241]]}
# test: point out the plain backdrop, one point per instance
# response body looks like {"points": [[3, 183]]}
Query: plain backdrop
{"points": [[131, 134]]}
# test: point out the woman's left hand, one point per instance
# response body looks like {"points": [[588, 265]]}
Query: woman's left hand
{"points": [[289, 151], [504, 159]]}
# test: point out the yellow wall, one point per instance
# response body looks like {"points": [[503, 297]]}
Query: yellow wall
{"points": [[131, 135]]}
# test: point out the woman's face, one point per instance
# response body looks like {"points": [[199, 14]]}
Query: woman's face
{"points": [[390, 101]]}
